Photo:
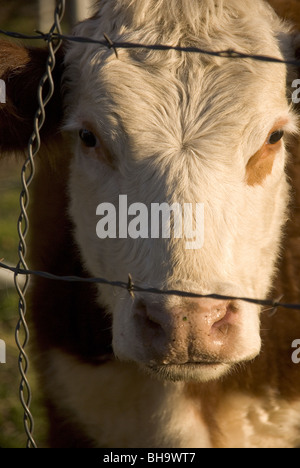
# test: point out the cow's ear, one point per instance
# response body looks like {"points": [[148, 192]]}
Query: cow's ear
{"points": [[21, 70], [294, 72], [288, 10], [290, 49]]}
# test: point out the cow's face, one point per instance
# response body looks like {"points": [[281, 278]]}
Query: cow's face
{"points": [[180, 129]]}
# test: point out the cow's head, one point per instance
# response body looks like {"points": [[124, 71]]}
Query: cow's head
{"points": [[181, 128]]}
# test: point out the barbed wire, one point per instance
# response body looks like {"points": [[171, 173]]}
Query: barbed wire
{"points": [[108, 43], [131, 287]]}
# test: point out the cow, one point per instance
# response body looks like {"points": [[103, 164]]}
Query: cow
{"points": [[129, 368]]}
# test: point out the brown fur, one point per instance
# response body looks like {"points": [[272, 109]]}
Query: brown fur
{"points": [[22, 69], [85, 333], [261, 163]]}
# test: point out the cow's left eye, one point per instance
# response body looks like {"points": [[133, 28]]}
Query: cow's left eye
{"points": [[275, 137], [88, 138]]}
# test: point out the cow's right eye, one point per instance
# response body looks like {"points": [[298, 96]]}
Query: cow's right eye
{"points": [[88, 138], [275, 137]]}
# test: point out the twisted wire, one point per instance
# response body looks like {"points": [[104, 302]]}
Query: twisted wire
{"points": [[27, 175]]}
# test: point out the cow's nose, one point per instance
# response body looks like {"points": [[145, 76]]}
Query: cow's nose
{"points": [[197, 327]]}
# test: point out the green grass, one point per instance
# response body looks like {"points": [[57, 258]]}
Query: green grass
{"points": [[17, 15], [20, 16], [12, 434], [9, 207], [11, 423]]}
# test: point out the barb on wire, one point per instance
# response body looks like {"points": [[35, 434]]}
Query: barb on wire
{"points": [[108, 43], [131, 287], [27, 174]]}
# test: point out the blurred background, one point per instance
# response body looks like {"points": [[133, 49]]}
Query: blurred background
{"points": [[24, 17]]}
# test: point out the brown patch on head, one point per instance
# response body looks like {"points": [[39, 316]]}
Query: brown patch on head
{"points": [[261, 163], [21, 69]]}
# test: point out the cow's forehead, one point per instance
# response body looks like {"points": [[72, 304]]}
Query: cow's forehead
{"points": [[178, 98], [250, 26], [175, 108]]}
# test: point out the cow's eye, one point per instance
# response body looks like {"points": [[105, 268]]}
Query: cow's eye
{"points": [[275, 137], [88, 138]]}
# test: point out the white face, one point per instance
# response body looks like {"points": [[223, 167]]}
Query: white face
{"points": [[191, 132]]}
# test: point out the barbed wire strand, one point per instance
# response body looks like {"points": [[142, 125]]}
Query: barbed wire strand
{"points": [[27, 175], [132, 287], [108, 43]]}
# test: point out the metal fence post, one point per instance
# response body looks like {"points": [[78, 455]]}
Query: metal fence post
{"points": [[45, 14], [78, 10]]}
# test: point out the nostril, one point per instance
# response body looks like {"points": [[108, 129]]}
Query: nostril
{"points": [[152, 324], [141, 312], [140, 308], [227, 316]]}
